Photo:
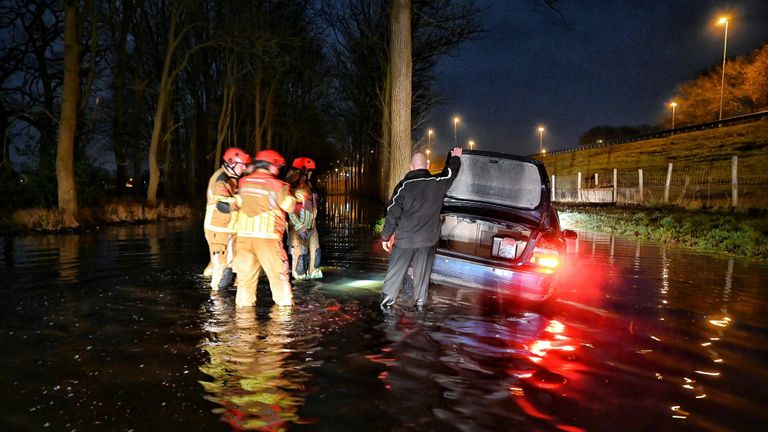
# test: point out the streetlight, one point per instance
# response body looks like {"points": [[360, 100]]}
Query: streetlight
{"points": [[541, 139], [673, 105], [429, 139], [723, 20], [471, 144], [455, 136]]}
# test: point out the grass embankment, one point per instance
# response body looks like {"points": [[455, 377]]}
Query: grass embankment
{"points": [[742, 234], [50, 220], [747, 141]]}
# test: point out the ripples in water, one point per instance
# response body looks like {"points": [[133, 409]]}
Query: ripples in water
{"points": [[117, 330]]}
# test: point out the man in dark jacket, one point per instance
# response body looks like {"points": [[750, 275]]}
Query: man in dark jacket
{"points": [[413, 223]]}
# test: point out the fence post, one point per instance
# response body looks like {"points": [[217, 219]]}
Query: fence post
{"points": [[735, 180], [578, 186], [640, 182], [615, 186], [553, 188], [669, 180]]}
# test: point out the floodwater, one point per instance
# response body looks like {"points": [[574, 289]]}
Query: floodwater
{"points": [[116, 330]]}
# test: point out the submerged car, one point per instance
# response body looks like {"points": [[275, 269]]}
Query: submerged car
{"points": [[499, 228]]}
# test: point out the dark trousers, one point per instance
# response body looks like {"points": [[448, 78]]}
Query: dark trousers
{"points": [[400, 259]]}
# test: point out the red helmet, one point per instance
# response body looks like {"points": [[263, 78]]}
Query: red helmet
{"points": [[235, 155], [304, 163], [270, 156]]}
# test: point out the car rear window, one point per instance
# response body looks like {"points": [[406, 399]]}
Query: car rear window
{"points": [[497, 180]]}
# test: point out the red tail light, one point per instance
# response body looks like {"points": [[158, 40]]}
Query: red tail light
{"points": [[545, 255]]}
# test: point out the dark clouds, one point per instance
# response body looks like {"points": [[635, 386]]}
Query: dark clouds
{"points": [[601, 62]]}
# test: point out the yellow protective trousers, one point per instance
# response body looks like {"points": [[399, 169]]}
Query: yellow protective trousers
{"points": [[253, 254], [221, 250], [309, 247]]}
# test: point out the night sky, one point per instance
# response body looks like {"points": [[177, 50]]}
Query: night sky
{"points": [[599, 63]]}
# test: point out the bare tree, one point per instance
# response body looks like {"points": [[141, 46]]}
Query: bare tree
{"points": [[361, 41], [401, 64], [65, 170]]}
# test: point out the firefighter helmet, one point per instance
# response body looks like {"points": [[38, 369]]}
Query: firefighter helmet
{"points": [[304, 163], [270, 156], [235, 155]]}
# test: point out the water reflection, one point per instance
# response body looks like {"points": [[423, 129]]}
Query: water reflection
{"points": [[476, 362], [667, 311], [100, 327], [251, 378], [347, 236]]}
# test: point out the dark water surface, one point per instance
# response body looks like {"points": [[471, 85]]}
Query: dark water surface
{"points": [[116, 330]]}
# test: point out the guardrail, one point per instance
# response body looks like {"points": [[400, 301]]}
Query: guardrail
{"points": [[731, 121]]}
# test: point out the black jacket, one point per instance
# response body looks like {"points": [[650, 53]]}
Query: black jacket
{"points": [[413, 214]]}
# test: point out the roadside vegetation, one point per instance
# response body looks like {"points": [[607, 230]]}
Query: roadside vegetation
{"points": [[124, 212], [742, 233]]}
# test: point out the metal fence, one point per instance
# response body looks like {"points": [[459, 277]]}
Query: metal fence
{"points": [[709, 184]]}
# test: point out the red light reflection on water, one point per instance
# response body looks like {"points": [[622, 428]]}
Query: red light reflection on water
{"points": [[584, 275]]}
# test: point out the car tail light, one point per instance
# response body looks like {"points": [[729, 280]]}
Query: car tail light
{"points": [[545, 255]]}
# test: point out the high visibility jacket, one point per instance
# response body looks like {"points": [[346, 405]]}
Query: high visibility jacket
{"points": [[221, 188], [263, 201], [303, 216]]}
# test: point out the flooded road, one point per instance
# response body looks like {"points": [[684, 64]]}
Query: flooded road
{"points": [[116, 330]]}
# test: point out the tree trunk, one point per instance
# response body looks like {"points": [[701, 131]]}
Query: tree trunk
{"points": [[385, 149], [401, 64], [224, 128], [138, 94], [163, 99], [65, 168], [119, 89]]}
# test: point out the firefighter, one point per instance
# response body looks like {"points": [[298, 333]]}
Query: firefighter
{"points": [[303, 238], [219, 212], [263, 200]]}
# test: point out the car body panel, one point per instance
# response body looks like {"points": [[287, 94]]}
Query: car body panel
{"points": [[486, 194]]}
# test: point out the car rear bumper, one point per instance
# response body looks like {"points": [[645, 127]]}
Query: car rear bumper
{"points": [[523, 282]]}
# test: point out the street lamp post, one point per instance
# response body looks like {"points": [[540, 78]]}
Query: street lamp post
{"points": [[429, 139], [673, 105], [724, 21], [541, 139], [455, 135], [471, 144]]}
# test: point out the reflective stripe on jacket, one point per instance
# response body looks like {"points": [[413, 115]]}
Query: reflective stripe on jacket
{"points": [[303, 217], [263, 201], [221, 188]]}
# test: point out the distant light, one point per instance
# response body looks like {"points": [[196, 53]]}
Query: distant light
{"points": [[723, 20]]}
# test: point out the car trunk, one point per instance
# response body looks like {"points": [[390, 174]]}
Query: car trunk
{"points": [[491, 210], [482, 238]]}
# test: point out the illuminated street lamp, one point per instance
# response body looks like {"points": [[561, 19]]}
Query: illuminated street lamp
{"points": [[723, 20], [471, 144], [541, 139], [673, 105], [429, 139], [455, 136]]}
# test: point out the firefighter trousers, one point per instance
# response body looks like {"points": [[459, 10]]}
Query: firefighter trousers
{"points": [[400, 259], [253, 255], [221, 251], [309, 248]]}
